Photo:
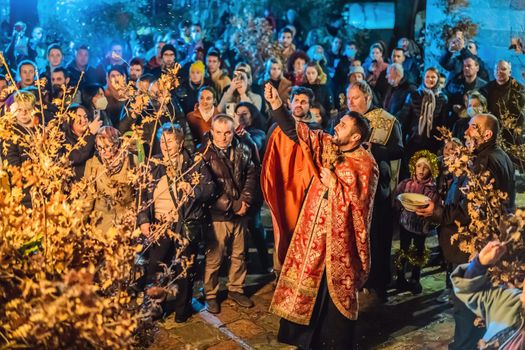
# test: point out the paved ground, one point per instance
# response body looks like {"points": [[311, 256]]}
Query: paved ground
{"points": [[406, 322]]}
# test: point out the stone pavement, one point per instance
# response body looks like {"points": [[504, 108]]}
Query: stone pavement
{"points": [[406, 322]]}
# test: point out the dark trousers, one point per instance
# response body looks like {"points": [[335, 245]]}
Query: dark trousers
{"points": [[258, 235], [381, 231], [405, 239], [328, 328], [163, 252], [466, 335]]}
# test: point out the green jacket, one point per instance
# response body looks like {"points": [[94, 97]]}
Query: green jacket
{"points": [[500, 308]]}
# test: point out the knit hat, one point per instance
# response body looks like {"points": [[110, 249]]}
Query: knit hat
{"points": [[197, 66], [357, 69], [168, 47]]}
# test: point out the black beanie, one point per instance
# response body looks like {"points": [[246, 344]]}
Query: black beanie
{"points": [[168, 47]]}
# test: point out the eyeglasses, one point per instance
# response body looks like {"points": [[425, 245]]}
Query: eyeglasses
{"points": [[107, 148]]}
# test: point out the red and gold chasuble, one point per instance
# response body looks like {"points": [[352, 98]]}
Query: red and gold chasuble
{"points": [[332, 234]]}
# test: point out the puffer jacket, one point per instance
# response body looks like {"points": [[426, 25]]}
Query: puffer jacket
{"points": [[236, 178]]}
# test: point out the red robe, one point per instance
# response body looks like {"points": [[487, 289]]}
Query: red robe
{"points": [[332, 234], [284, 182]]}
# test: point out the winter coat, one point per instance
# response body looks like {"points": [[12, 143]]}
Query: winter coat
{"points": [[499, 307], [236, 178], [491, 158], [411, 221], [410, 117], [507, 98], [395, 97], [114, 195], [194, 208]]}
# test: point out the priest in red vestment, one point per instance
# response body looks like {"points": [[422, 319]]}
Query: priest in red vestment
{"points": [[328, 259]]}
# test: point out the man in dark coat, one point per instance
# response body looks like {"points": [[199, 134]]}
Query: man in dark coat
{"points": [[506, 100], [236, 177], [482, 133], [398, 89]]}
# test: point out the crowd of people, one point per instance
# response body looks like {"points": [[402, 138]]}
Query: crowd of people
{"points": [[326, 134]]}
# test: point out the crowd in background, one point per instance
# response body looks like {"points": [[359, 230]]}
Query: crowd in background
{"points": [[219, 109]]}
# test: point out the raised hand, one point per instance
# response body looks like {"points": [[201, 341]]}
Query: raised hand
{"points": [[272, 96], [491, 253]]}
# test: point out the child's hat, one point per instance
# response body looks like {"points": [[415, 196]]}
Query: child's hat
{"points": [[427, 157]]}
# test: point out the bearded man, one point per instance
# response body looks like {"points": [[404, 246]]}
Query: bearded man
{"points": [[328, 259]]}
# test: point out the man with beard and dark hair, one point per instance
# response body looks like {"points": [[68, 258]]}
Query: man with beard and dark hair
{"points": [[58, 86], [480, 136], [284, 197], [328, 258], [136, 69]]}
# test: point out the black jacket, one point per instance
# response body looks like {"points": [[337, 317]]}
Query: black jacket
{"points": [[395, 97], [453, 63], [17, 153], [195, 207], [236, 177], [80, 155], [410, 115], [488, 157], [507, 98], [322, 95]]}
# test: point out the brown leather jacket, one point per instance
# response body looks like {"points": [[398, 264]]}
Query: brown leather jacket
{"points": [[236, 178]]}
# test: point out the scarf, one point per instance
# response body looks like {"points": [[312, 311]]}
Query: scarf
{"points": [[426, 116], [206, 115]]}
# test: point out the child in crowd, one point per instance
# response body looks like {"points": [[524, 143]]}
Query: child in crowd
{"points": [[423, 170]]}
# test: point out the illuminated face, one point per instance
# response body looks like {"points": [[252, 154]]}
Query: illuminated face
{"points": [[116, 50], [100, 94], [345, 132], [135, 72], [27, 75], [82, 57], [222, 133], [470, 68], [276, 71], [336, 45], [285, 40], [431, 79], [206, 100], [393, 77], [244, 115], [316, 113], [422, 172], [398, 56], [357, 100], [24, 113], [196, 33], [476, 132], [300, 106], [213, 64], [115, 78], [55, 57], [106, 149], [298, 66], [58, 78], [311, 75], [169, 145], [80, 123], [376, 54], [502, 72], [168, 58], [355, 77], [196, 76], [450, 149]]}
